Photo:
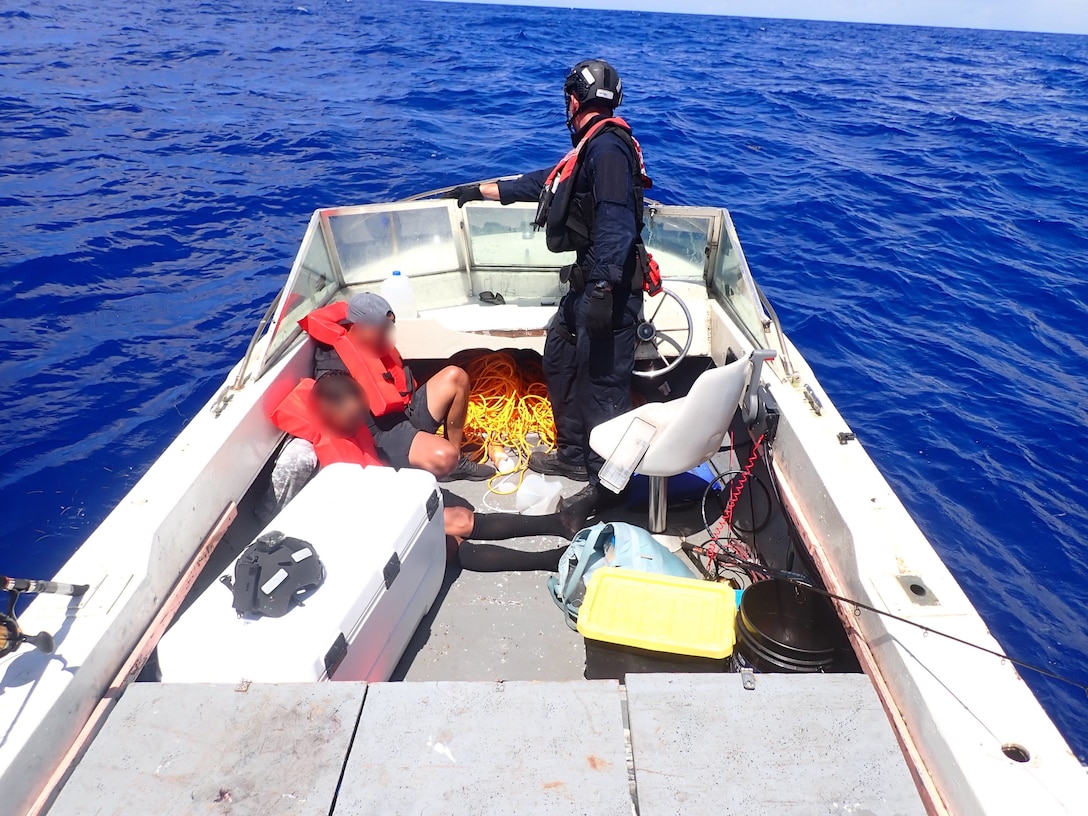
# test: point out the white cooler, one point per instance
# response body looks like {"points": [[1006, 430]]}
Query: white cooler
{"points": [[379, 532]]}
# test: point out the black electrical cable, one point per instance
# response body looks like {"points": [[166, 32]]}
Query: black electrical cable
{"points": [[766, 521], [730, 475], [797, 580]]}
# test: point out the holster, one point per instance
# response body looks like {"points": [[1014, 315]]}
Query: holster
{"points": [[558, 328], [642, 268], [574, 275]]}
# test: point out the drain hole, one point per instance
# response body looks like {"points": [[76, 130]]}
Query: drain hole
{"points": [[1017, 753], [918, 590]]}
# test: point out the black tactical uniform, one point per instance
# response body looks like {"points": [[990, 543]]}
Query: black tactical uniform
{"points": [[589, 378]]}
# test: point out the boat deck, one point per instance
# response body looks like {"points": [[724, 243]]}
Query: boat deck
{"points": [[665, 744], [504, 626], [495, 625]]}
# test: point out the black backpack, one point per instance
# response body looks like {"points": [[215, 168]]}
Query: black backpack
{"points": [[274, 573]]}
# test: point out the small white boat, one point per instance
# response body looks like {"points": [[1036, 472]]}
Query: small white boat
{"points": [[972, 734]]}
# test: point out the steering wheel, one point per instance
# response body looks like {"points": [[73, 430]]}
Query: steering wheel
{"points": [[649, 351]]}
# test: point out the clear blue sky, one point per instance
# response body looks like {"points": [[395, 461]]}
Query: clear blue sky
{"points": [[1064, 16]]}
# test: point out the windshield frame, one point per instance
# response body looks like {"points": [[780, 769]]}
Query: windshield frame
{"points": [[271, 353], [720, 228]]}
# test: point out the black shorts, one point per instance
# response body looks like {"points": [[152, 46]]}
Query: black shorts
{"points": [[393, 433]]}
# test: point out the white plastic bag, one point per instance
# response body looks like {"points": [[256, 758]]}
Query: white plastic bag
{"points": [[538, 496]]}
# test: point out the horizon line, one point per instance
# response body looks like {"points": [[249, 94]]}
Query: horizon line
{"points": [[612, 5]]}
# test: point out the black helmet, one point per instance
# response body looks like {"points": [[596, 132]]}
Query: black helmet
{"points": [[275, 573], [594, 81]]}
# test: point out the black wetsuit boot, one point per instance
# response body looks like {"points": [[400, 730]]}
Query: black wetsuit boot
{"points": [[493, 558], [500, 526]]}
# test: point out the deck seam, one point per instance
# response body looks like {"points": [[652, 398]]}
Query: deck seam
{"points": [[629, 749], [347, 753]]}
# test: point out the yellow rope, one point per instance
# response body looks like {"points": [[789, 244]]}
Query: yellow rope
{"points": [[508, 402]]}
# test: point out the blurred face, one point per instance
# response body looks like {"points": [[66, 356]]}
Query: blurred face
{"points": [[344, 414], [378, 338]]}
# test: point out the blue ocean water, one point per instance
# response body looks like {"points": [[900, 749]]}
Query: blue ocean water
{"points": [[911, 199]]}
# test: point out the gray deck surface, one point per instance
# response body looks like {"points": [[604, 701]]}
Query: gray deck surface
{"points": [[495, 625], [796, 745], [489, 749], [203, 749], [700, 744], [504, 626]]}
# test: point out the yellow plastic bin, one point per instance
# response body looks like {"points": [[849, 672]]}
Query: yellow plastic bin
{"points": [[636, 622]]}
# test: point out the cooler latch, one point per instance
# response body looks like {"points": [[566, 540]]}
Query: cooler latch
{"points": [[335, 655], [392, 570], [432, 504]]}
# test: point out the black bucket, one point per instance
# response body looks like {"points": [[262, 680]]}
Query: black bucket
{"points": [[785, 627]]}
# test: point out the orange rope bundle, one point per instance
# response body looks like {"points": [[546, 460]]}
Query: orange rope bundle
{"points": [[507, 404]]}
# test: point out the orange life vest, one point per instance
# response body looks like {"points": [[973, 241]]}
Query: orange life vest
{"points": [[382, 378], [567, 215], [297, 415]]}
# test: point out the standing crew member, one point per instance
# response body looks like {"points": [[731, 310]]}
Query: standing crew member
{"points": [[591, 202]]}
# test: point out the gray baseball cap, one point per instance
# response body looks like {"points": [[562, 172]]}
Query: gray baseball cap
{"points": [[369, 309]]}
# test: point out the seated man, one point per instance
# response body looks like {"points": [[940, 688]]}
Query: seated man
{"points": [[336, 411], [357, 336]]}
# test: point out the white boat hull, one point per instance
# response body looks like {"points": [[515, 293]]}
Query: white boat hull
{"points": [[956, 711]]}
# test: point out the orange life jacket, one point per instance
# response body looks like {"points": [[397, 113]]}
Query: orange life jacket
{"points": [[297, 415], [382, 378]]}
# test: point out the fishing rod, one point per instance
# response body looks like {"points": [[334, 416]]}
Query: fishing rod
{"points": [[21, 585], [727, 558], [11, 635]]}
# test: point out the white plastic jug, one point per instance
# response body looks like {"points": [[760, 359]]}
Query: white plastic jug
{"points": [[397, 289], [538, 496]]}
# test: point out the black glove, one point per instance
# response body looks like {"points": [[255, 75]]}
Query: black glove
{"points": [[464, 194], [599, 313]]}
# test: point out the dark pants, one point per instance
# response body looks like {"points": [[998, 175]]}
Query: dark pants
{"points": [[589, 381]]}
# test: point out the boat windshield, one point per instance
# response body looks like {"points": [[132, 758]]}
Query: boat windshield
{"points": [[313, 282], [504, 238], [734, 287], [370, 244], [700, 244], [680, 239], [451, 254]]}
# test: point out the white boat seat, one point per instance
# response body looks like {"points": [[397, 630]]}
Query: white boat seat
{"points": [[689, 430]]}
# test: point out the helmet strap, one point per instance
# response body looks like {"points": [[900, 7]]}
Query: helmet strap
{"points": [[572, 113]]}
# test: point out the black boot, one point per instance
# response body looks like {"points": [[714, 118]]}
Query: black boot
{"points": [[469, 471], [590, 501], [552, 464]]}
